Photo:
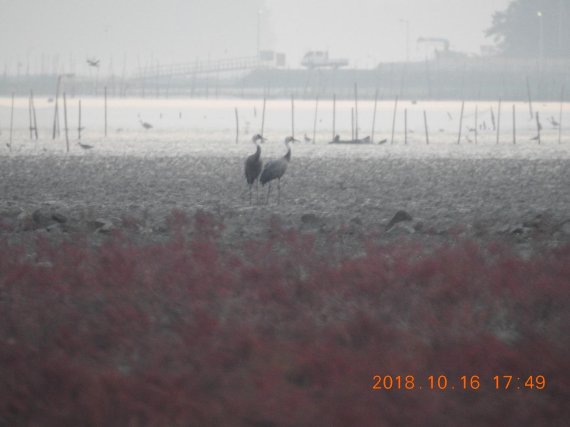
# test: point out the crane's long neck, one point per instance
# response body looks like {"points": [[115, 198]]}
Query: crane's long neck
{"points": [[257, 151], [288, 155]]}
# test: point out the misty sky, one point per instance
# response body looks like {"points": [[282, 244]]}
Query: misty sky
{"points": [[173, 31]]}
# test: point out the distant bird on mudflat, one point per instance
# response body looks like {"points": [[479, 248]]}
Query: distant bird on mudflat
{"points": [[275, 169], [146, 125], [307, 139], [84, 146], [553, 122], [253, 166]]}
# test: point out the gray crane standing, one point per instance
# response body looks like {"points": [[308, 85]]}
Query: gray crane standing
{"points": [[275, 169], [253, 165]]}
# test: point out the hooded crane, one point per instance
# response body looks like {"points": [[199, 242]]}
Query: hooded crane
{"points": [[253, 165], [275, 169]]}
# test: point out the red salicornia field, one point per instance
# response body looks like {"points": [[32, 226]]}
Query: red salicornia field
{"points": [[280, 332]]}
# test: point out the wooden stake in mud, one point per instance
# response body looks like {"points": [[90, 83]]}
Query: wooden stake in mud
{"points": [[426, 127], [460, 122], [30, 115], [292, 116], [352, 124], [334, 118], [237, 124], [79, 122], [65, 122], [315, 121], [538, 127], [405, 126], [263, 115], [560, 116], [529, 99], [355, 111], [476, 122], [56, 110], [499, 120], [374, 116], [11, 122], [34, 115], [394, 120], [514, 125], [105, 111]]}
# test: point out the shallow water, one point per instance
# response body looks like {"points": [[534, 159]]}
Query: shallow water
{"points": [[207, 127]]}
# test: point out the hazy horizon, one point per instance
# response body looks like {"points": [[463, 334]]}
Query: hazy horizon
{"points": [[126, 34]]}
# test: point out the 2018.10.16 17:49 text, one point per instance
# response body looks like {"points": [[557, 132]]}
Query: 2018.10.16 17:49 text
{"points": [[464, 382]]}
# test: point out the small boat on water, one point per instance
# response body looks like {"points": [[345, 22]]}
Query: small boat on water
{"points": [[337, 140]]}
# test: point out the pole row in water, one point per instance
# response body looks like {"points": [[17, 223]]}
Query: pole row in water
{"points": [[495, 119]]}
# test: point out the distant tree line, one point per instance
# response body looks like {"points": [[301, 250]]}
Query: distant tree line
{"points": [[532, 28]]}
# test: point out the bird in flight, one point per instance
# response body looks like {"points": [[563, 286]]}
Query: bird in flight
{"points": [[93, 62]]}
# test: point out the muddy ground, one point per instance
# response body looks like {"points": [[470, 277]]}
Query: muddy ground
{"points": [[510, 200]]}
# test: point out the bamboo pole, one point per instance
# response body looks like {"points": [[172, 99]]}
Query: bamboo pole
{"points": [[461, 121], [30, 115], [355, 111], [514, 125], [65, 122], [334, 118], [315, 121], [237, 124], [292, 116], [405, 126], [352, 124], [476, 122], [79, 122], [11, 121], [374, 115], [560, 115], [56, 110], [105, 111], [426, 127], [263, 114], [34, 116], [538, 126], [499, 120], [529, 99], [394, 120]]}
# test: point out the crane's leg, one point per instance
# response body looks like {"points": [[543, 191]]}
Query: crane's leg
{"points": [[257, 192], [278, 190], [250, 190], [268, 192]]}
